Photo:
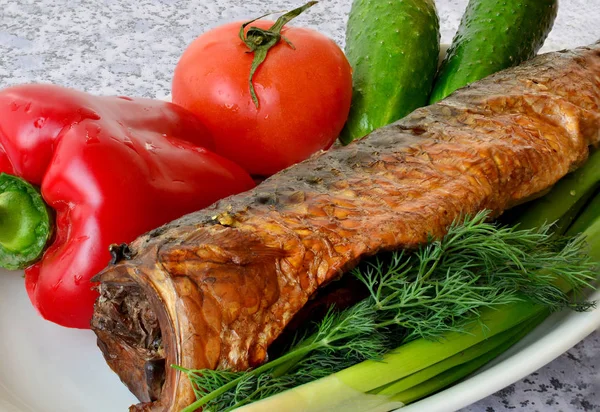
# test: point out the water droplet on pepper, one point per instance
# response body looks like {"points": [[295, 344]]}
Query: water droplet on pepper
{"points": [[39, 123]]}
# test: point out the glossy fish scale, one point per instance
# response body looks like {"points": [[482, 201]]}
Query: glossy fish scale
{"points": [[225, 281]]}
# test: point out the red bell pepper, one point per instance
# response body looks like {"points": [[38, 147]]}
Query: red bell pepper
{"points": [[109, 169]]}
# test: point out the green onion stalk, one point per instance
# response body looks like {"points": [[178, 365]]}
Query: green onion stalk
{"points": [[413, 370]]}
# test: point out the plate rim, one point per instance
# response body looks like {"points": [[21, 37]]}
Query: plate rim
{"points": [[565, 330]]}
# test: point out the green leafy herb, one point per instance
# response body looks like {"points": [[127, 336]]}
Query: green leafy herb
{"points": [[477, 264], [439, 288]]}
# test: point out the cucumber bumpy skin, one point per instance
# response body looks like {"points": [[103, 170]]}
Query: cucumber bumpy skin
{"points": [[493, 35], [393, 47]]}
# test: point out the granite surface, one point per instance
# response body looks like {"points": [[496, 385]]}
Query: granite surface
{"points": [[131, 47]]}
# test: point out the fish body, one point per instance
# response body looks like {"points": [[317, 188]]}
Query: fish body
{"points": [[215, 288]]}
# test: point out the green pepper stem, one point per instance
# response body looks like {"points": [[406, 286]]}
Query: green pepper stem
{"points": [[260, 41], [24, 223]]}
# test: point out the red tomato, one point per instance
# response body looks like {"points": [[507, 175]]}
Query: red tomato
{"points": [[304, 95]]}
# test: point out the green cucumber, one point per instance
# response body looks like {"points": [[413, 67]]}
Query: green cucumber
{"points": [[493, 35], [393, 47]]}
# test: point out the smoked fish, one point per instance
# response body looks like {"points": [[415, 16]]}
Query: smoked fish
{"points": [[215, 288]]}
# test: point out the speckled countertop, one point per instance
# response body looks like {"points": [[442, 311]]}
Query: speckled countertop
{"points": [[131, 47]]}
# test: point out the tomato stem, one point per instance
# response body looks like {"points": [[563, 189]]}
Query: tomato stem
{"points": [[260, 41]]}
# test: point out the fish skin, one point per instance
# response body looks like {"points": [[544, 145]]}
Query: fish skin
{"points": [[225, 281]]}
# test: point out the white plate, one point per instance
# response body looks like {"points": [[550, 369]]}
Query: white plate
{"points": [[47, 368]]}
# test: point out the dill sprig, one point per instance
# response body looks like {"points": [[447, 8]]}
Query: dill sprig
{"points": [[425, 293], [442, 286]]}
